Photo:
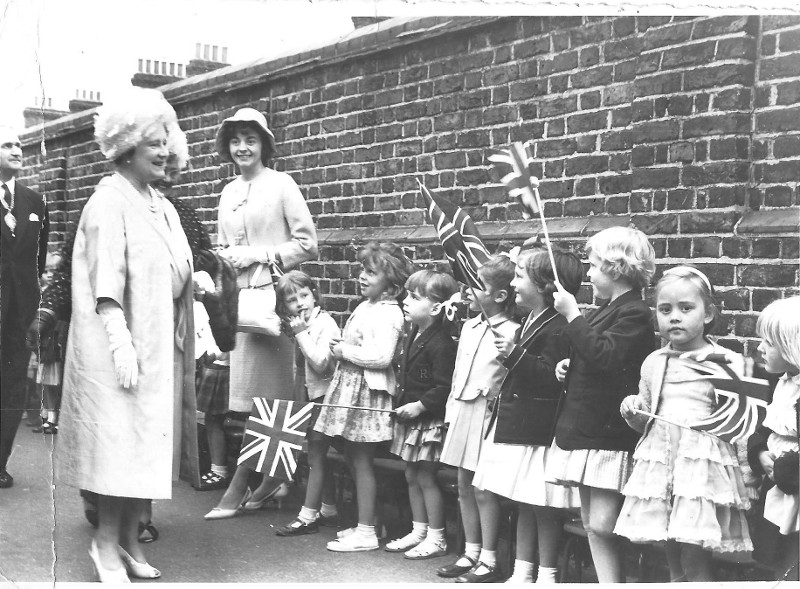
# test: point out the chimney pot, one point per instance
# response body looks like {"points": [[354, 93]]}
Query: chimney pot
{"points": [[140, 66], [197, 50], [224, 55], [214, 56], [206, 51], [147, 68], [180, 70]]}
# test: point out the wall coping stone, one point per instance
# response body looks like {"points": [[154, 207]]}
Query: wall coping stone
{"points": [[786, 220]]}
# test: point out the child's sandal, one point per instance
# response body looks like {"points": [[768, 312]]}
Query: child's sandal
{"points": [[48, 427]]}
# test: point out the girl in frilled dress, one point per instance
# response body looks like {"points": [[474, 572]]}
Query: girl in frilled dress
{"points": [[426, 371], [773, 450], [365, 378], [686, 487]]}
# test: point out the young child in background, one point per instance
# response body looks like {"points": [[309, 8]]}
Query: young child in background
{"points": [[313, 330], [50, 356], [593, 443], [512, 463], [365, 377], [686, 487], [212, 394], [426, 370], [476, 382], [773, 449]]}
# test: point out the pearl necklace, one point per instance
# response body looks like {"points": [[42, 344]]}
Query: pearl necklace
{"points": [[156, 198]]}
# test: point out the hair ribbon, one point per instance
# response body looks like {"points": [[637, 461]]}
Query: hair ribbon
{"points": [[448, 307]]}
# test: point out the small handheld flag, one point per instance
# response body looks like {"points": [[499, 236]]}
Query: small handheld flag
{"points": [[459, 237], [524, 186], [275, 432]]}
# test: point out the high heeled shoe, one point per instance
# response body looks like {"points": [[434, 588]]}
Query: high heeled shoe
{"points": [[119, 575], [136, 569], [277, 494], [223, 513]]}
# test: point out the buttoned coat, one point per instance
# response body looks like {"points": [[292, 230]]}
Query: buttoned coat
{"points": [[426, 369], [116, 441], [607, 349], [526, 408]]}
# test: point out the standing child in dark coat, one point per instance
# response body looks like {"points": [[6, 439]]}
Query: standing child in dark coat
{"points": [[427, 364], [593, 444]]}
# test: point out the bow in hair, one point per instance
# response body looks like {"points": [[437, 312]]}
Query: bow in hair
{"points": [[448, 307]]}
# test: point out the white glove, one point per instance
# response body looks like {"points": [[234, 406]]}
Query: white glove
{"points": [[120, 342], [203, 282]]}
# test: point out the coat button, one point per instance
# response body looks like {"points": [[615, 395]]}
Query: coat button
{"points": [[515, 396]]}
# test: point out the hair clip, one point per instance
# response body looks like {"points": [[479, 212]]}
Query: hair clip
{"points": [[449, 307]]}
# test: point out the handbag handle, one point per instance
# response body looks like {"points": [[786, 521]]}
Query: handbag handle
{"points": [[254, 277]]}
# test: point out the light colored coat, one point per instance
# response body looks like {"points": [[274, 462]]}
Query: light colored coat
{"points": [[115, 441], [314, 344]]}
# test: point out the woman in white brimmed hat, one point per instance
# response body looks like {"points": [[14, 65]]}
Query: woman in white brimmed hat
{"points": [[128, 410], [263, 219]]}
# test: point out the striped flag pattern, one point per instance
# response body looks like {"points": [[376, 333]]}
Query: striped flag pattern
{"points": [[459, 236], [742, 402], [275, 432], [517, 167]]}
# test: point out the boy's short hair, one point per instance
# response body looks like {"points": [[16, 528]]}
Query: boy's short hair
{"points": [[625, 253], [540, 271], [779, 323], [437, 286]]}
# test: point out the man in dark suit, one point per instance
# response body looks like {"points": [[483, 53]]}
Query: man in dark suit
{"points": [[24, 227]]}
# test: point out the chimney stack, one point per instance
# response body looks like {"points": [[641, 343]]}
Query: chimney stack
{"points": [[154, 73], [84, 100], [41, 113], [207, 58]]}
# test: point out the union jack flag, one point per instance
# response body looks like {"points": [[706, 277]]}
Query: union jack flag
{"points": [[459, 236], [741, 401], [517, 165], [275, 432]]}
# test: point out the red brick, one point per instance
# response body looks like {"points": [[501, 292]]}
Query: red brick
{"points": [[718, 124], [596, 76], [784, 66], [787, 119], [688, 55], [668, 35], [771, 275], [719, 75], [722, 25], [667, 83], [655, 178]]}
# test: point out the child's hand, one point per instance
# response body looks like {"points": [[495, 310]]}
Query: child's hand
{"points": [[336, 347], [565, 303], [561, 370], [298, 324], [767, 460], [410, 411], [504, 345], [630, 406]]}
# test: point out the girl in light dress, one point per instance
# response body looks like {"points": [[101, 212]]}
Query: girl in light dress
{"points": [[426, 370], [773, 450], [476, 382], [365, 378], [686, 487]]}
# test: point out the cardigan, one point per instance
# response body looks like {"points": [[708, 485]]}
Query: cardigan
{"points": [[426, 369], [526, 410], [607, 351]]}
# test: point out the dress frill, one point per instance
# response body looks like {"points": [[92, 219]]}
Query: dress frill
{"points": [[688, 487], [349, 388], [418, 440]]}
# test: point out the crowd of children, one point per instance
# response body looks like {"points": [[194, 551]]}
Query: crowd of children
{"points": [[556, 412]]}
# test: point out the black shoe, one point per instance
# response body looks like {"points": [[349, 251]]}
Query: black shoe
{"points": [[6, 480], [297, 527], [492, 575], [212, 481], [147, 533], [450, 571], [329, 522]]}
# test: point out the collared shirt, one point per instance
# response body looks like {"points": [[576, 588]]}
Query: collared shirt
{"points": [[12, 187], [478, 370]]}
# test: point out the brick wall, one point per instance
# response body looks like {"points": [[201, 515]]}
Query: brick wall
{"points": [[687, 127]]}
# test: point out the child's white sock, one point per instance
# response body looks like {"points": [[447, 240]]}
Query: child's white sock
{"points": [[547, 575], [488, 557], [307, 515], [365, 530], [328, 510], [435, 535], [471, 549], [419, 530], [523, 572], [220, 470]]}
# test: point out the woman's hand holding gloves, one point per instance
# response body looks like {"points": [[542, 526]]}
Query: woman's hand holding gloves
{"points": [[120, 342], [244, 256]]}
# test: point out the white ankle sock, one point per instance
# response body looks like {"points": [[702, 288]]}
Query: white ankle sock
{"points": [[419, 530], [221, 470], [523, 572], [328, 510], [307, 515], [473, 550], [547, 575], [435, 535], [488, 557], [365, 530]]}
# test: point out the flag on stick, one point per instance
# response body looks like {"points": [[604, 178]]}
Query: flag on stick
{"points": [[459, 236], [275, 432], [523, 185], [741, 401]]}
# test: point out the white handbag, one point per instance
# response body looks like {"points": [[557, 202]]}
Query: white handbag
{"points": [[257, 308]]}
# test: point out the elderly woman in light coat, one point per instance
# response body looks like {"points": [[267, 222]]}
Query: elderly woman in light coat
{"points": [[128, 414], [263, 220]]}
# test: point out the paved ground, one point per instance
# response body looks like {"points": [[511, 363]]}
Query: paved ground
{"points": [[44, 537]]}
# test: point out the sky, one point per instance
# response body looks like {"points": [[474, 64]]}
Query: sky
{"points": [[53, 48]]}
